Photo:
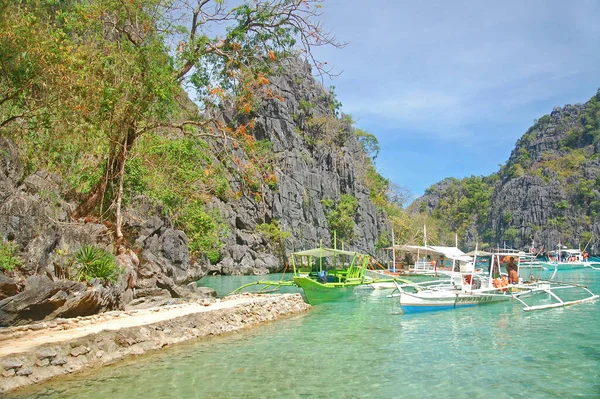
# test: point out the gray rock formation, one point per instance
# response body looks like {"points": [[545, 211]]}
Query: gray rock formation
{"points": [[311, 165], [8, 286], [549, 190], [164, 266], [44, 299], [551, 206]]}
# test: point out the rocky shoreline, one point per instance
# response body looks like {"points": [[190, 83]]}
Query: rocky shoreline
{"points": [[38, 352]]}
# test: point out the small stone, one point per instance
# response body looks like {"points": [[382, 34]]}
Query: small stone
{"points": [[36, 327], [12, 364], [167, 331], [8, 373], [24, 372], [58, 362], [99, 354], [46, 353], [80, 350], [42, 362]]}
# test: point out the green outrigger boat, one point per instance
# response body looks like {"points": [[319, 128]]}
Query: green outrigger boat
{"points": [[325, 274]]}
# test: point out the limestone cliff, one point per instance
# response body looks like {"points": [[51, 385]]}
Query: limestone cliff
{"points": [[313, 163], [548, 190]]}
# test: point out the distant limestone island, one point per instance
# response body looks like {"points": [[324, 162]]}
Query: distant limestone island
{"points": [[546, 194]]}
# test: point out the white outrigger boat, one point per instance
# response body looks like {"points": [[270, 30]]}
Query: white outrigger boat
{"points": [[467, 288], [430, 262], [565, 259]]}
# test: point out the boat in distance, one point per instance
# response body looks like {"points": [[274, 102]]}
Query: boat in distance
{"points": [[464, 289]]}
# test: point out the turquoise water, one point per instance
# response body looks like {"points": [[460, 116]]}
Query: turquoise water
{"points": [[366, 348]]}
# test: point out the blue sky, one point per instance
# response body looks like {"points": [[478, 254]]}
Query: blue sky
{"points": [[449, 86]]}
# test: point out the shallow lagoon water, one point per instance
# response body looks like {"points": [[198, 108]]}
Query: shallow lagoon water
{"points": [[366, 348]]}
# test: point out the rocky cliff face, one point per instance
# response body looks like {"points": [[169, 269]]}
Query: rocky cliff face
{"points": [[547, 192], [549, 187], [312, 165]]}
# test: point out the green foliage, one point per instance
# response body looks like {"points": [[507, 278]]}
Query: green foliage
{"points": [[178, 169], [557, 223], [511, 234], [9, 258], [562, 204], [585, 191], [95, 263], [369, 143], [382, 242], [515, 170], [377, 185], [204, 230], [463, 202], [274, 234], [305, 105], [544, 120], [326, 130], [585, 237], [327, 203], [136, 178], [340, 217]]}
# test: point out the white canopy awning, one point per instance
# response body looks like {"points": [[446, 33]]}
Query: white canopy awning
{"points": [[478, 253], [448, 252], [422, 250]]}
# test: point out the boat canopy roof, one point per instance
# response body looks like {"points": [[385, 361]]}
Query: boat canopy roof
{"points": [[478, 253], [325, 252], [425, 250], [448, 252], [452, 253], [572, 251], [519, 254]]}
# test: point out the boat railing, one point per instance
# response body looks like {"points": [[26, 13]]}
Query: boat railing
{"points": [[423, 265]]}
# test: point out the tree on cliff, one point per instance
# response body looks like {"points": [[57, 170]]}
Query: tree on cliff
{"points": [[100, 74]]}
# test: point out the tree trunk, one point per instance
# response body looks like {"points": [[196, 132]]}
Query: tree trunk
{"points": [[118, 215], [114, 165]]}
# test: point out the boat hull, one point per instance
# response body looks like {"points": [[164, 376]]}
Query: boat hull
{"points": [[316, 292], [564, 265], [434, 301]]}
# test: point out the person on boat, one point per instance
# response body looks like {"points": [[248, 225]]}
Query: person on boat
{"points": [[585, 256], [513, 271], [322, 275]]}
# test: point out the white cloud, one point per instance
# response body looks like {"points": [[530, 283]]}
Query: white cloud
{"points": [[464, 72]]}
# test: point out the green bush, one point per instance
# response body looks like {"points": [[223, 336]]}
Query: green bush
{"points": [[562, 204], [92, 262], [272, 231], [382, 242], [340, 218], [511, 234], [8, 256], [203, 230]]}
